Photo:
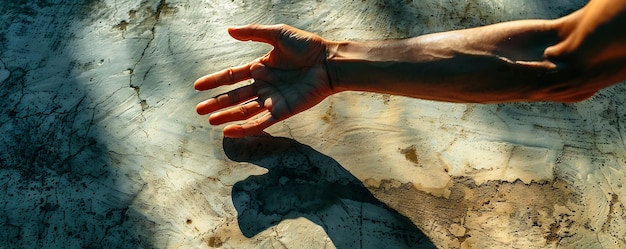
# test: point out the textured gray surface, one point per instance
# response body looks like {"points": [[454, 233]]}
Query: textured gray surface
{"points": [[101, 146]]}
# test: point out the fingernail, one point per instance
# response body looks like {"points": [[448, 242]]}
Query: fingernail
{"points": [[235, 27]]}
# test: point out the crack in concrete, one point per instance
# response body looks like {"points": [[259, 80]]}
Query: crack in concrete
{"points": [[288, 130], [144, 104], [609, 217]]}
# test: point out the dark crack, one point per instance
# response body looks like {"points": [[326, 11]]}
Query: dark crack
{"points": [[159, 9]]}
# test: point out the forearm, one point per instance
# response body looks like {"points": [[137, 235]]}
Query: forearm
{"points": [[498, 63]]}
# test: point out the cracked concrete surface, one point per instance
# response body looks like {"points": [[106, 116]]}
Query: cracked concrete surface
{"points": [[101, 146]]}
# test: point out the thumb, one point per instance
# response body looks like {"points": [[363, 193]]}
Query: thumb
{"points": [[259, 33]]}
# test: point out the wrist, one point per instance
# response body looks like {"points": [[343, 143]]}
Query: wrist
{"points": [[332, 66], [359, 65]]}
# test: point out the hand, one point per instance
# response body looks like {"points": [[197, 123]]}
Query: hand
{"points": [[288, 80]]}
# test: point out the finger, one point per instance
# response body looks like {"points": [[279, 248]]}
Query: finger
{"points": [[231, 98], [241, 112], [261, 33], [225, 77], [250, 128]]}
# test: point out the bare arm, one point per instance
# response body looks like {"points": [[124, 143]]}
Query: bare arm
{"points": [[566, 60], [529, 60], [497, 63]]}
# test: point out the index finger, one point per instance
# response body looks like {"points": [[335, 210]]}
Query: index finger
{"points": [[260, 33], [225, 77]]}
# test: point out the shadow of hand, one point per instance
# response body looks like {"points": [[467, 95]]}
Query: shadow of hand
{"points": [[302, 182]]}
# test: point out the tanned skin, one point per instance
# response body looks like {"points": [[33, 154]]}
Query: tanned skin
{"points": [[564, 60]]}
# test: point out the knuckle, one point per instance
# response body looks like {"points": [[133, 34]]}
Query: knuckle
{"points": [[220, 99], [282, 26], [243, 110], [230, 74]]}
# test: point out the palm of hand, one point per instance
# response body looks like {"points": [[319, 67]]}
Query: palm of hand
{"points": [[288, 80], [292, 91]]}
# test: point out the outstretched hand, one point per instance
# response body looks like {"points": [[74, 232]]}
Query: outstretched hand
{"points": [[288, 80]]}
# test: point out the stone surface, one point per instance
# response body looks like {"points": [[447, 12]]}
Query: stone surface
{"points": [[101, 146]]}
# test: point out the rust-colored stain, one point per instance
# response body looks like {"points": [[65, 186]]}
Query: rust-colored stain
{"points": [[410, 154]]}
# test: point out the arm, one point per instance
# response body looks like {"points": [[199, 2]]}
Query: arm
{"points": [[496, 63], [567, 59], [530, 60]]}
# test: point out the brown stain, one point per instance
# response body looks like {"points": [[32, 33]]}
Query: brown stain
{"points": [[329, 115], [189, 222], [165, 9], [553, 234], [386, 98], [122, 25], [533, 204], [410, 153], [468, 111], [146, 16], [214, 241], [614, 200]]}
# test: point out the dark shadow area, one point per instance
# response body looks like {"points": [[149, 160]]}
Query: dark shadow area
{"points": [[303, 182], [57, 189]]}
